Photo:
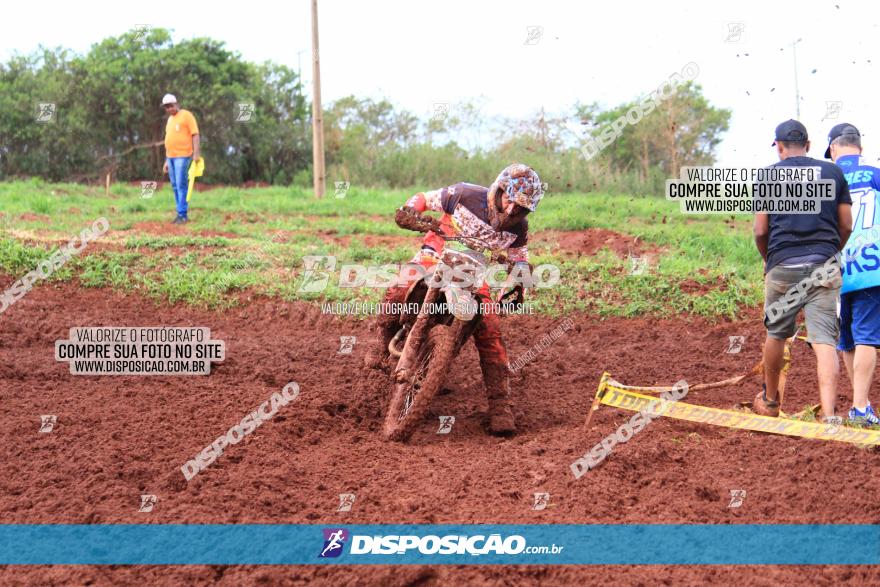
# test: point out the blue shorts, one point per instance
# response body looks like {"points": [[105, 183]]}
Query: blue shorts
{"points": [[860, 319]]}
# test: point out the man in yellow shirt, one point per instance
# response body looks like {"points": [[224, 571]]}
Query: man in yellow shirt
{"points": [[181, 148]]}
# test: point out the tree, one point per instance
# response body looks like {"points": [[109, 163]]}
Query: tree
{"points": [[683, 129], [109, 116], [359, 130]]}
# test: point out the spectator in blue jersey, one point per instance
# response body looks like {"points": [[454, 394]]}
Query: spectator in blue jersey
{"points": [[797, 248], [860, 294]]}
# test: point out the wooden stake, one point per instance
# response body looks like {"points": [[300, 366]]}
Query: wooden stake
{"points": [[317, 115], [603, 383]]}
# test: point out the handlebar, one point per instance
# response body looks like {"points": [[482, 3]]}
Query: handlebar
{"points": [[409, 219]]}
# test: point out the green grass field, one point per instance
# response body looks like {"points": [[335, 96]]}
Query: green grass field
{"points": [[253, 241]]}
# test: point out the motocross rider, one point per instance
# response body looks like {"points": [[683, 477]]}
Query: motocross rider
{"points": [[497, 216]]}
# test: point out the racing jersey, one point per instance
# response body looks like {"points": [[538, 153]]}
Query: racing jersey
{"points": [[465, 213], [861, 256]]}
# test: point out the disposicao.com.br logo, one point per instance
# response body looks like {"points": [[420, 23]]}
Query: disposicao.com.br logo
{"points": [[476, 545], [334, 540]]}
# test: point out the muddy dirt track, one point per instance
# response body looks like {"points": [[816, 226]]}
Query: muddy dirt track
{"points": [[119, 437]]}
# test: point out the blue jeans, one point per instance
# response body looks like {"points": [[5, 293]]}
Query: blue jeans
{"points": [[178, 169]]}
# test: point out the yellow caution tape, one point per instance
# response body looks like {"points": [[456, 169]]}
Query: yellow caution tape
{"points": [[613, 393]]}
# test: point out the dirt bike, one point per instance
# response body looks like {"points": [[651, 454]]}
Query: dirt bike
{"points": [[429, 340]]}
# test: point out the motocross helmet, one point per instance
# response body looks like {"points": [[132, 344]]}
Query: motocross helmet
{"points": [[522, 186]]}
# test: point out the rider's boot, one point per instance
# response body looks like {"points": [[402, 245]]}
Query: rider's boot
{"points": [[387, 327], [497, 380]]}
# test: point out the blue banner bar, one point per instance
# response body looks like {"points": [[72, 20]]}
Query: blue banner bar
{"points": [[253, 544]]}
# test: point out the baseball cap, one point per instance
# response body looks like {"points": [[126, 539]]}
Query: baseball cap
{"points": [[790, 130], [169, 99], [838, 130]]}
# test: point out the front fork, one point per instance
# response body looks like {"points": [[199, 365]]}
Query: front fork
{"points": [[417, 336]]}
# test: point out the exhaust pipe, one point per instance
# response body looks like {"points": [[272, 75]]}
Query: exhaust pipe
{"points": [[391, 348]]}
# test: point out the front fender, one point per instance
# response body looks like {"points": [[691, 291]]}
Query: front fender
{"points": [[462, 304]]}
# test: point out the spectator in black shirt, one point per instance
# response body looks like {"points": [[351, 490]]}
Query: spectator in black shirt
{"points": [[801, 271]]}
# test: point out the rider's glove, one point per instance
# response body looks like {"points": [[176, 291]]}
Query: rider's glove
{"points": [[410, 219], [513, 300]]}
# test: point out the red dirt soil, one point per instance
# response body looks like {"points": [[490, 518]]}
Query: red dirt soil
{"points": [[591, 240], [586, 242], [169, 229], [119, 437]]}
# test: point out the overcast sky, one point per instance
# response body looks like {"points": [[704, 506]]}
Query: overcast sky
{"points": [[418, 53]]}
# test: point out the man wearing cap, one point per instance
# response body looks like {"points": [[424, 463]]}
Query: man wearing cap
{"points": [[796, 248], [181, 148], [860, 294]]}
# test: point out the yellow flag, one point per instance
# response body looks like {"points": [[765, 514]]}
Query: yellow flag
{"points": [[196, 169]]}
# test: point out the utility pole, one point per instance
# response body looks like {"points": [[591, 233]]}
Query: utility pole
{"points": [[317, 115], [797, 93]]}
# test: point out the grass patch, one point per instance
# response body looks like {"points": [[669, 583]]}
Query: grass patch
{"points": [[164, 242], [107, 270], [708, 265]]}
